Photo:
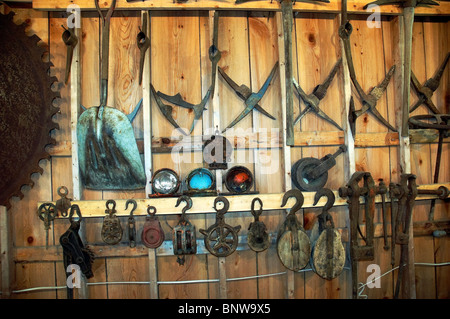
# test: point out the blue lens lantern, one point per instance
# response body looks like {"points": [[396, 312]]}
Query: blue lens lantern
{"points": [[201, 179]]}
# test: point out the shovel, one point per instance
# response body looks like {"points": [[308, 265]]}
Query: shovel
{"points": [[108, 155]]}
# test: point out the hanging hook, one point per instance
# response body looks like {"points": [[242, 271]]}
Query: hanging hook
{"points": [[131, 201], [298, 195], [328, 194], [188, 200], [258, 212], [224, 209], [75, 209]]}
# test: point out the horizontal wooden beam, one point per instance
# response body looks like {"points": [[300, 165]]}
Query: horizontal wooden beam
{"points": [[204, 204], [354, 6], [272, 140]]}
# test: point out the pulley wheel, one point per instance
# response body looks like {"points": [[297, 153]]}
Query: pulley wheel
{"points": [[300, 178], [152, 237], [294, 256]]}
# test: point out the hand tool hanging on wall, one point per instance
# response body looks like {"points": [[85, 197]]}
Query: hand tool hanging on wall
{"points": [[74, 250], [369, 101], [143, 43], [405, 193], [111, 229], [328, 252], [440, 122], [63, 204], [257, 236], [312, 100], [425, 91], [47, 213], [184, 237], [293, 244], [71, 41], [311, 174], [354, 191], [251, 99], [217, 152], [221, 239], [26, 99], [152, 234], [408, 17], [214, 56], [108, 153], [131, 223]]}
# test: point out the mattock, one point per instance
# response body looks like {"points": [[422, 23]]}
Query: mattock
{"points": [[369, 101], [311, 174], [406, 193], [353, 191]]}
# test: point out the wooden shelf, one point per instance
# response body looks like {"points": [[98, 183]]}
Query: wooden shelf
{"points": [[355, 6], [202, 205]]}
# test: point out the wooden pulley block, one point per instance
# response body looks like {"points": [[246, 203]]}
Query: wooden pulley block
{"points": [[257, 237], [293, 244], [183, 235], [328, 252], [111, 229], [152, 234]]}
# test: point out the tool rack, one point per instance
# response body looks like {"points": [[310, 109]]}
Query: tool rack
{"points": [[149, 144]]}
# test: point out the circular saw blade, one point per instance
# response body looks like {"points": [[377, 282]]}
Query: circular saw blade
{"points": [[26, 108]]}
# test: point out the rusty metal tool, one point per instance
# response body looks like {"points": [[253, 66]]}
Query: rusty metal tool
{"points": [[257, 236], [111, 229], [382, 190], [197, 108], [221, 239], [63, 204], [131, 223], [440, 122], [166, 110], [394, 194], [152, 234], [74, 250], [214, 52], [406, 194], [353, 191], [293, 244], [425, 91], [143, 43], [311, 174], [328, 252], [251, 99], [312, 100], [369, 101], [184, 236], [408, 16], [47, 213], [71, 41]]}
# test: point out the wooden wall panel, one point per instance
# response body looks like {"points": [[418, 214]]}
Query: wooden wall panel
{"points": [[180, 63]]}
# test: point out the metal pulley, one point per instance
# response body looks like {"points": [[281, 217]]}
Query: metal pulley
{"points": [[112, 229], [221, 239], [293, 244], [63, 204], [165, 182], [152, 234], [184, 235], [328, 253], [311, 174], [257, 237], [238, 180]]}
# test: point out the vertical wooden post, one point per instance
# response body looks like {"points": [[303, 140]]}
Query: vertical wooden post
{"points": [[402, 107], [6, 253], [214, 106], [290, 275]]}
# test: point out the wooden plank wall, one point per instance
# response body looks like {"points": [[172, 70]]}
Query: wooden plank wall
{"points": [[180, 63]]}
